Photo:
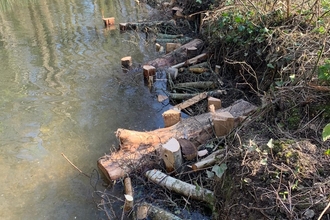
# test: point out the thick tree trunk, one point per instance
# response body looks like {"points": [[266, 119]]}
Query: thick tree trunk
{"points": [[135, 144]]}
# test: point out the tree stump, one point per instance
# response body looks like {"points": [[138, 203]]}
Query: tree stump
{"points": [[171, 155]]}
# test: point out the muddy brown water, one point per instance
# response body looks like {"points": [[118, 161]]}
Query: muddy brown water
{"points": [[62, 90]]}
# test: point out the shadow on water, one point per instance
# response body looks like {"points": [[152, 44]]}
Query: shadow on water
{"points": [[63, 91]]}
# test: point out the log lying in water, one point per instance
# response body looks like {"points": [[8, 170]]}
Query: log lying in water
{"points": [[136, 144]]}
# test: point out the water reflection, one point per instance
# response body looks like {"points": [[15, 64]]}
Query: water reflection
{"points": [[62, 90]]}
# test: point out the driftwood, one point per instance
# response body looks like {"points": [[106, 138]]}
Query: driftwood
{"points": [[136, 144], [176, 56]]}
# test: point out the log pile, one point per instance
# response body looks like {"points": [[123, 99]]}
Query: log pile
{"points": [[178, 141], [136, 144]]}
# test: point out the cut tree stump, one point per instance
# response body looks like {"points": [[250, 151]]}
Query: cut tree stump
{"points": [[136, 144], [171, 155], [176, 56]]}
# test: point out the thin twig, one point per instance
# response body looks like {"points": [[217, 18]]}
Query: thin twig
{"points": [[75, 166], [324, 210]]}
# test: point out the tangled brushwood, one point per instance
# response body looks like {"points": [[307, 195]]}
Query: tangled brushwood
{"points": [[277, 53]]}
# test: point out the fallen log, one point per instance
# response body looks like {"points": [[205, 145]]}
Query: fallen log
{"points": [[181, 187], [176, 56], [136, 144]]}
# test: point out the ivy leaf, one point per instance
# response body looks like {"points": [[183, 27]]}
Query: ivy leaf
{"points": [[270, 143], [326, 132], [209, 174], [263, 161], [219, 170], [270, 66], [327, 152]]}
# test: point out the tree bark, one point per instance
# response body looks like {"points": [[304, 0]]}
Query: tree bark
{"points": [[136, 144]]}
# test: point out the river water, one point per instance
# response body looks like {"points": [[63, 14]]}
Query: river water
{"points": [[62, 90]]}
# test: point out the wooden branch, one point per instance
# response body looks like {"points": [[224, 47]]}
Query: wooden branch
{"points": [[192, 61], [176, 56], [169, 36], [146, 210], [196, 85], [191, 101], [176, 41], [181, 96], [142, 25], [209, 160], [136, 144], [180, 187]]}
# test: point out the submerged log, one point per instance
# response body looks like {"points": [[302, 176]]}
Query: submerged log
{"points": [[176, 56], [136, 144]]}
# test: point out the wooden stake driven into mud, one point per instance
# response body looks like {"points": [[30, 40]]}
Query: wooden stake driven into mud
{"points": [[126, 61], [128, 195], [136, 144], [171, 117], [148, 71], [108, 21]]}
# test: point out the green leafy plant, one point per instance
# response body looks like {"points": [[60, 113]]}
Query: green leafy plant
{"points": [[324, 71], [217, 170], [326, 132]]}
